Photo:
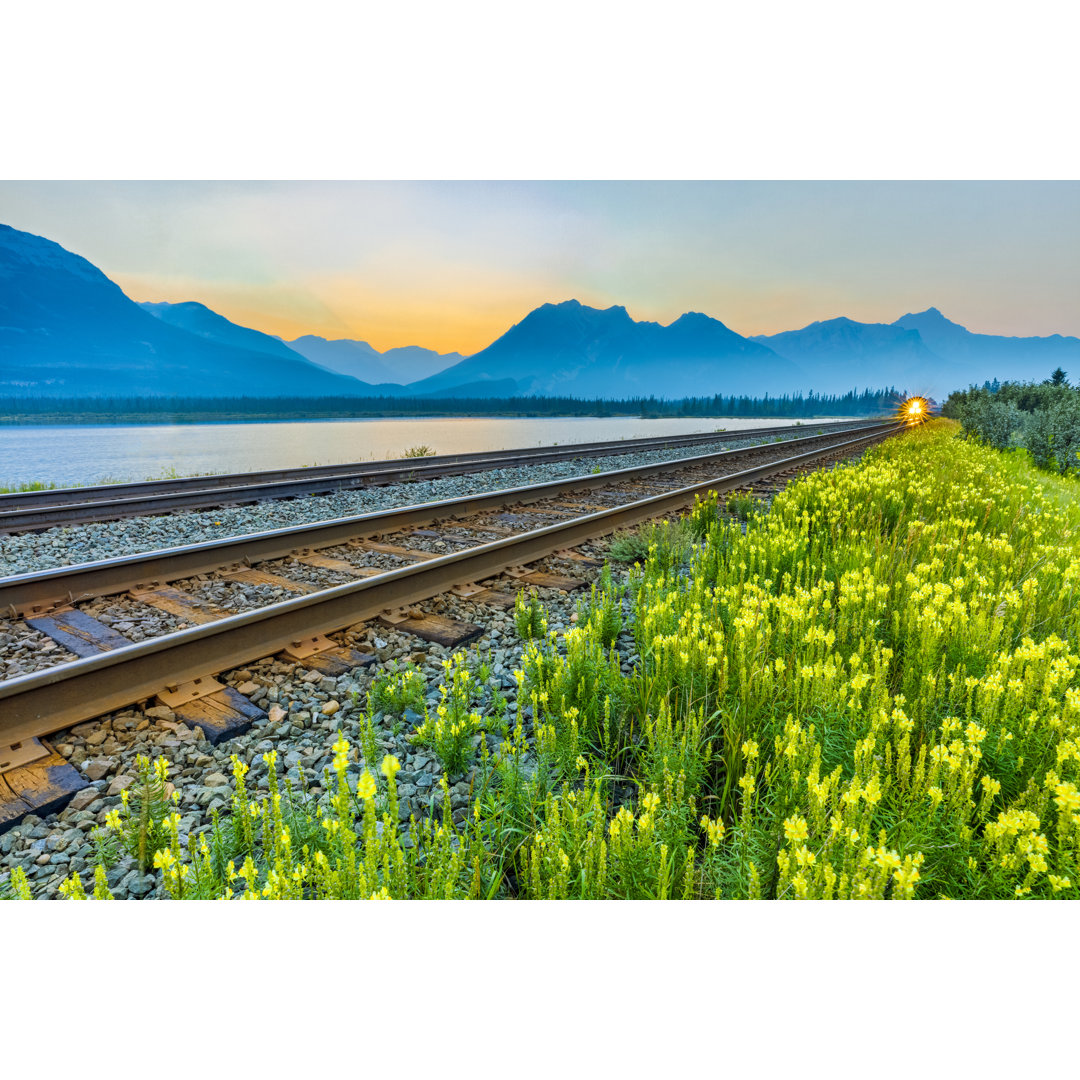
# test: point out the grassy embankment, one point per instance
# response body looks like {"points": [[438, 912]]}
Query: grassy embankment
{"points": [[41, 485], [871, 691]]}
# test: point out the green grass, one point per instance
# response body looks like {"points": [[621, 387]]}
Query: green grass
{"points": [[168, 473], [670, 539], [32, 485]]}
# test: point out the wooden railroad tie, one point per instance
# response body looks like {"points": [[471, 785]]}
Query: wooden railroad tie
{"points": [[250, 576], [446, 537], [582, 508], [543, 580], [219, 710], [576, 556], [495, 598], [78, 633], [436, 628], [34, 779], [320, 653], [531, 517], [393, 549], [179, 603], [497, 530], [342, 566]]}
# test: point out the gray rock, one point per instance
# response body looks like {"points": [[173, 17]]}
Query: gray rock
{"points": [[96, 768], [120, 783]]}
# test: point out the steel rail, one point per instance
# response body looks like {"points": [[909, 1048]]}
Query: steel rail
{"points": [[43, 702], [40, 589], [23, 511]]}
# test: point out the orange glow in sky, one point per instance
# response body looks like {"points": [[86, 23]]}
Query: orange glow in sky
{"points": [[453, 265]]}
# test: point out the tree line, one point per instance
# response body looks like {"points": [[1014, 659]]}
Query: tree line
{"points": [[195, 409], [1042, 418]]}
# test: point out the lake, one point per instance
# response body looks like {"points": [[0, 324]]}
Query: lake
{"points": [[94, 454]]}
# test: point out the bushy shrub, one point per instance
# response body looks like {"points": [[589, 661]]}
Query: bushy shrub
{"points": [[993, 421], [1052, 435]]}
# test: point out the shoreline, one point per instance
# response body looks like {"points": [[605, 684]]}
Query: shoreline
{"points": [[196, 419]]}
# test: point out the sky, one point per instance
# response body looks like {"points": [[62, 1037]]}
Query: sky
{"points": [[452, 265]]}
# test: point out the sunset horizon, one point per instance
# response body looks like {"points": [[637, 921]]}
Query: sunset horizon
{"points": [[452, 266]]}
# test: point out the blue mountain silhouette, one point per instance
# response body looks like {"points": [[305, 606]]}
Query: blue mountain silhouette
{"points": [[569, 348], [404, 364], [66, 329]]}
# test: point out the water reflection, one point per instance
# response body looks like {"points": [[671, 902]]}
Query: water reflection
{"points": [[85, 454]]}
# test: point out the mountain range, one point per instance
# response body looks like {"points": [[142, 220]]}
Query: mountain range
{"points": [[571, 349], [67, 330], [925, 351], [358, 359]]}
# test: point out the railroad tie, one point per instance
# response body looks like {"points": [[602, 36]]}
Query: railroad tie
{"points": [[445, 537], [262, 577], [546, 581], [482, 527], [393, 549], [219, 710], [582, 507], [78, 633], [342, 566], [436, 628], [177, 602], [321, 654], [494, 598], [42, 786], [576, 556]]}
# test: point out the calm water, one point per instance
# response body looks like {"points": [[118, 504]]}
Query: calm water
{"points": [[85, 454]]}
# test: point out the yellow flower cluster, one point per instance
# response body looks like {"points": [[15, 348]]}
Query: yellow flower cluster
{"points": [[915, 618]]}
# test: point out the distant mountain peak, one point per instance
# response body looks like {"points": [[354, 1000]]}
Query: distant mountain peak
{"points": [[568, 307], [155, 306], [587, 351], [316, 340], [198, 319], [43, 254], [404, 364], [931, 318]]}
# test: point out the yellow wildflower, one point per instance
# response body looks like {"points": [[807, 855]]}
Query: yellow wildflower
{"points": [[795, 829], [365, 788]]}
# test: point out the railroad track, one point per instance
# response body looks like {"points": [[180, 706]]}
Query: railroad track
{"points": [[335, 575], [34, 510]]}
